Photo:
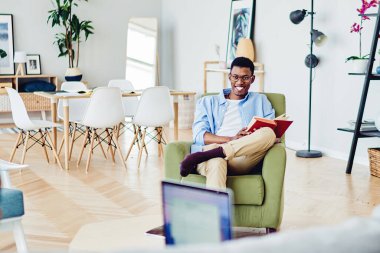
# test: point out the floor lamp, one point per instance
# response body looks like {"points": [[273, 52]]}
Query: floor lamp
{"points": [[311, 61]]}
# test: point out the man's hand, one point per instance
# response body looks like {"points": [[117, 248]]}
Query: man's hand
{"points": [[240, 134]]}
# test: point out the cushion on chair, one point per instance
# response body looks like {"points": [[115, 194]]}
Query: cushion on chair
{"points": [[37, 85], [247, 189], [11, 203]]}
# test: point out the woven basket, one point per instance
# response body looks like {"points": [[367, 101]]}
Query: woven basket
{"points": [[374, 161]]}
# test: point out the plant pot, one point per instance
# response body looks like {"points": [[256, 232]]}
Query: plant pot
{"points": [[73, 74], [359, 66]]}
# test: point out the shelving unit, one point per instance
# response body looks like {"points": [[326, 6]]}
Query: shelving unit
{"points": [[369, 76], [32, 102]]}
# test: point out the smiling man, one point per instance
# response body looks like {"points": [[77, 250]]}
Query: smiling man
{"points": [[221, 143]]}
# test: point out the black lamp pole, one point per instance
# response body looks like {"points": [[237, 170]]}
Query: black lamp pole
{"points": [[310, 153]]}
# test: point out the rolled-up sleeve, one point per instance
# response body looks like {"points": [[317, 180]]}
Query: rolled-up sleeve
{"points": [[201, 123], [269, 112]]}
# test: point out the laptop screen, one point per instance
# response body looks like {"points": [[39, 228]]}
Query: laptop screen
{"points": [[195, 215]]}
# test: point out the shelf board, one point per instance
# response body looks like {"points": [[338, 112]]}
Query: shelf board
{"points": [[372, 76], [368, 15], [363, 134]]}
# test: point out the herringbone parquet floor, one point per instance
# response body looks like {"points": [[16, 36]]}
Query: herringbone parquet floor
{"points": [[59, 203]]}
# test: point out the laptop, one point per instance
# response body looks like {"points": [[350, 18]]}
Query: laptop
{"points": [[194, 214]]}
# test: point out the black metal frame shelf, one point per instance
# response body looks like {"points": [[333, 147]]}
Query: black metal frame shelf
{"points": [[369, 76], [362, 134]]}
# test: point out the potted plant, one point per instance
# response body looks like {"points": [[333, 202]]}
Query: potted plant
{"points": [[66, 41], [360, 62]]}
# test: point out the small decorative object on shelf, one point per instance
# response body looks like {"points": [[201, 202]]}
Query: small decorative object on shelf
{"points": [[359, 63]]}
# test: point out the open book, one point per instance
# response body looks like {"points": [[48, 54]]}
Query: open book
{"points": [[279, 124]]}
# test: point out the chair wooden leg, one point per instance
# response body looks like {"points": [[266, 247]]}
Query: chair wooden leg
{"points": [[15, 146], [271, 230], [83, 145], [75, 125], [100, 144], [19, 236], [25, 147], [44, 145], [160, 149], [142, 147], [53, 149], [61, 146], [139, 139], [109, 137], [130, 147], [90, 150], [116, 140]]}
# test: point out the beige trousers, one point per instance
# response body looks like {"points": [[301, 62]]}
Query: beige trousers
{"points": [[241, 155]]}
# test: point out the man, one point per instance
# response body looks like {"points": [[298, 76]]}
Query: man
{"points": [[221, 143]]}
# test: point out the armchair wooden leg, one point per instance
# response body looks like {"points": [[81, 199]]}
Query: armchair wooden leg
{"points": [[270, 230], [19, 236], [15, 146], [83, 145], [25, 147], [90, 150]]}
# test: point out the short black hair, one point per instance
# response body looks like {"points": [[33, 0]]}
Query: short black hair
{"points": [[243, 62]]}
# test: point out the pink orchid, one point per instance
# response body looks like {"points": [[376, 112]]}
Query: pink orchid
{"points": [[356, 28]]}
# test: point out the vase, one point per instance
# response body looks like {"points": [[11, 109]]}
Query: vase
{"points": [[378, 70], [359, 66], [73, 74]]}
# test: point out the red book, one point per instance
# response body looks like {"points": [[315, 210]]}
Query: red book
{"points": [[279, 124]]}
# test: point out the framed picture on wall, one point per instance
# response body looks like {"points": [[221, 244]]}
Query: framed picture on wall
{"points": [[242, 16], [33, 64], [7, 66]]}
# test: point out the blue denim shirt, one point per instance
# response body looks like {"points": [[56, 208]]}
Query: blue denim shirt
{"points": [[210, 112]]}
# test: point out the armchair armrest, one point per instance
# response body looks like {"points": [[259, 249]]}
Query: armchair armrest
{"points": [[273, 175], [175, 152]]}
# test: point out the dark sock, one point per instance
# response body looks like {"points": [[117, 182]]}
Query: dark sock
{"points": [[189, 164]]}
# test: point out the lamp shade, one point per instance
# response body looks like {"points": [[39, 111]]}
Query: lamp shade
{"points": [[245, 48], [318, 37], [20, 57], [297, 16]]}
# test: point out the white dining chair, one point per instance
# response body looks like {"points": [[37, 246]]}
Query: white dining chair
{"points": [[154, 111], [104, 111], [35, 130], [77, 108], [12, 205], [130, 106]]}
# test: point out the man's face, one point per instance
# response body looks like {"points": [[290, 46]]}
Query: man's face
{"points": [[241, 79]]}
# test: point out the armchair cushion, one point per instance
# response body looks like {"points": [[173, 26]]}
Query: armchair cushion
{"points": [[247, 189], [11, 203]]}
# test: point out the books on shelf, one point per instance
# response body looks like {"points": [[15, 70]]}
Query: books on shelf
{"points": [[279, 124]]}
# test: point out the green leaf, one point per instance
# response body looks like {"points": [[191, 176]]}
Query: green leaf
{"points": [[3, 54]]}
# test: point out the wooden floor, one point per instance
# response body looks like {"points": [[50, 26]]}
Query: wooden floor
{"points": [[59, 203]]}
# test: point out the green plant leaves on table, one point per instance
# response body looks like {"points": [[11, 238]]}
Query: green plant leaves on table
{"points": [[3, 54]]}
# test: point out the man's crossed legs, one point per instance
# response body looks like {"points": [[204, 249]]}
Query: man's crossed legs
{"points": [[238, 156]]}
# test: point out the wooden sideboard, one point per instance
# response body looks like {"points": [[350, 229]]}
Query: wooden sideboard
{"points": [[32, 102]]}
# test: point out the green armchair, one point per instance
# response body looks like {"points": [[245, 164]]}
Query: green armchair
{"points": [[258, 197]]}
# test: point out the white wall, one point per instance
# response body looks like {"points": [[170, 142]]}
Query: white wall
{"points": [[192, 27], [102, 57]]}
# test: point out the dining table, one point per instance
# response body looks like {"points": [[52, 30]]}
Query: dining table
{"points": [[66, 96]]}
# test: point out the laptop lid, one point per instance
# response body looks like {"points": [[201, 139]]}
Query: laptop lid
{"points": [[193, 214]]}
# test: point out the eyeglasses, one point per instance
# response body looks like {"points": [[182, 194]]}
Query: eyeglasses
{"points": [[235, 78]]}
